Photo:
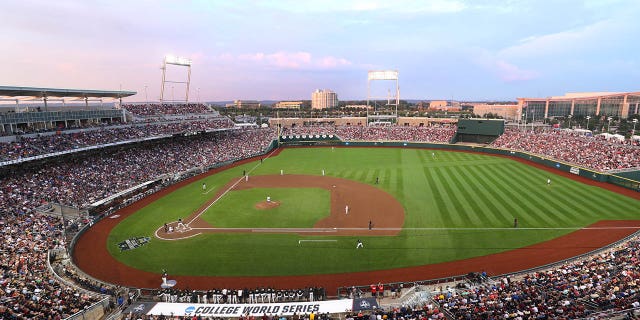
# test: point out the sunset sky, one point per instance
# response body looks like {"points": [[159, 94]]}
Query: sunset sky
{"points": [[283, 50]]}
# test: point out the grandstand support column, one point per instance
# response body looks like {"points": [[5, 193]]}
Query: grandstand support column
{"points": [[86, 102], [188, 84], [598, 106], [44, 99], [546, 108], [624, 109], [573, 105], [164, 71], [146, 98]]}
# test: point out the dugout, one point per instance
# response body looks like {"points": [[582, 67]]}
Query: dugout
{"points": [[479, 130]]}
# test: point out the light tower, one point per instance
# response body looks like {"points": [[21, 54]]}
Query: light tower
{"points": [[388, 113], [176, 61]]}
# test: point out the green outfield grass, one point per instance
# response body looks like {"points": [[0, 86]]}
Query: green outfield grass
{"points": [[438, 189]]}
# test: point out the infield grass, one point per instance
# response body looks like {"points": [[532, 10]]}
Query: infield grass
{"points": [[439, 190], [299, 208]]}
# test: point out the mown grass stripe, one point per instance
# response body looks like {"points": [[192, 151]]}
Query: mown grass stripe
{"points": [[480, 211], [439, 201], [414, 193], [504, 215], [563, 207], [544, 198], [460, 197], [522, 193], [571, 189], [451, 208], [394, 182], [563, 187], [517, 202]]}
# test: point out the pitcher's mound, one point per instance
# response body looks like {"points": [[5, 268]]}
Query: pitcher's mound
{"points": [[264, 205]]}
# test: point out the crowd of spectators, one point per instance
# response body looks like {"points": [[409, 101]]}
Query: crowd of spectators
{"points": [[24, 129], [25, 147], [155, 109], [81, 181], [594, 152], [439, 134], [405, 312], [27, 289], [609, 281]]}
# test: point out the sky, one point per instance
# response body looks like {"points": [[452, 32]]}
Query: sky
{"points": [[284, 50]]}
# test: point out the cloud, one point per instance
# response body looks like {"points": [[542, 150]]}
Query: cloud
{"points": [[598, 35], [503, 69], [510, 73], [287, 60], [403, 6]]}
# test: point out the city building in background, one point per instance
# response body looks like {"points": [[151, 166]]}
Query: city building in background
{"points": [[616, 104], [288, 105], [505, 111], [324, 99], [444, 105], [356, 106], [244, 104]]}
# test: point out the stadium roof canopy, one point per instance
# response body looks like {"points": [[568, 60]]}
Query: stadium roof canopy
{"points": [[584, 96], [32, 92]]}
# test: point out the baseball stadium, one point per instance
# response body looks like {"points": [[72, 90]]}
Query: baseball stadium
{"points": [[178, 209]]}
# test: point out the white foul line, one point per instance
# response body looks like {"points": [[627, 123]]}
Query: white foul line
{"points": [[318, 240], [226, 191]]}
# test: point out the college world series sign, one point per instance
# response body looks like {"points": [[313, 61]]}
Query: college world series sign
{"points": [[237, 310]]}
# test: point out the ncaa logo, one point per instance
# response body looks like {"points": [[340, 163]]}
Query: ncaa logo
{"points": [[364, 304], [139, 308], [189, 309]]}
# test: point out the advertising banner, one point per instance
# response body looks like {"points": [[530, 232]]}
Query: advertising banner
{"points": [[237, 310], [364, 304]]}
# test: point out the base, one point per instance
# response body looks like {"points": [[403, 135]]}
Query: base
{"points": [[168, 284]]}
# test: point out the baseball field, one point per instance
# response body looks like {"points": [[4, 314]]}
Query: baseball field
{"points": [[409, 207]]}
